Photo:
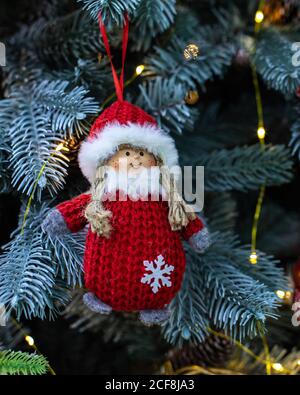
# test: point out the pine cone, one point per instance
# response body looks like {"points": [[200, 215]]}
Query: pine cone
{"points": [[213, 352]]}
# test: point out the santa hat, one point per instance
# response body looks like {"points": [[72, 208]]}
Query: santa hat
{"points": [[124, 123]]}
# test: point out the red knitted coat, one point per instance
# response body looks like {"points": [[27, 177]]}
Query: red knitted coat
{"points": [[141, 265]]}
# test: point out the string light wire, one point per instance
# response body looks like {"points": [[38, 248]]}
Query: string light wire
{"points": [[267, 361], [261, 132]]}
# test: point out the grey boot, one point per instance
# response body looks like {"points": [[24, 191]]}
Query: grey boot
{"points": [[154, 317], [95, 304], [54, 224]]}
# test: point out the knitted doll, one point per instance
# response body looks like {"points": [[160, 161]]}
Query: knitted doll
{"points": [[134, 258]]}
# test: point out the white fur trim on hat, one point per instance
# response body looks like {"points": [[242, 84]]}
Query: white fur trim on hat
{"points": [[94, 151]]}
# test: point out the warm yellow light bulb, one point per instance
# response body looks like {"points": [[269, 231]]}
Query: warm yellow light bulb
{"points": [[298, 362], [29, 340], [259, 16], [278, 367], [253, 258], [139, 69], [261, 132], [280, 294]]}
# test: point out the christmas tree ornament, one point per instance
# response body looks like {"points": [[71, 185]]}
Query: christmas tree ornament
{"points": [[134, 260], [192, 97], [191, 51], [298, 92]]}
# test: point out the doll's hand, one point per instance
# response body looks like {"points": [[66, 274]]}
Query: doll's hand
{"points": [[200, 241], [54, 224]]}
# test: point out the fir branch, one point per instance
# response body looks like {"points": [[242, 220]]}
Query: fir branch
{"points": [[61, 41], [186, 24], [165, 101], [44, 114], [112, 11], [27, 273], [31, 129], [67, 108], [295, 138], [267, 271], [93, 76], [246, 168], [238, 293], [21, 363], [274, 61], [5, 151], [221, 288], [67, 252], [221, 212], [152, 17], [189, 318]]}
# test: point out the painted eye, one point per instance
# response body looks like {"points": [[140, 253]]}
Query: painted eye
{"points": [[127, 153], [142, 153]]}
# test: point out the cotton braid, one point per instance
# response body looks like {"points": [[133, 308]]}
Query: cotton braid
{"points": [[95, 213], [180, 214]]}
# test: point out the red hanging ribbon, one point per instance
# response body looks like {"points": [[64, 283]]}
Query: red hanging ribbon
{"points": [[119, 83]]}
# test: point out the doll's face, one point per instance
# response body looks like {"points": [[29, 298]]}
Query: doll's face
{"points": [[132, 159]]}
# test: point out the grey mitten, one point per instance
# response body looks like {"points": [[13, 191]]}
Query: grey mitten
{"points": [[54, 224], [200, 241]]}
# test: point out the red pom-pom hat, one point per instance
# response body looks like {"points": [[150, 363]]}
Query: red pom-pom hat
{"points": [[124, 123]]}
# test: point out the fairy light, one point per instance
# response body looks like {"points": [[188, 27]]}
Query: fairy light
{"points": [[261, 133], [139, 69], [298, 362], [253, 258], [280, 294], [259, 16], [29, 340], [278, 367]]}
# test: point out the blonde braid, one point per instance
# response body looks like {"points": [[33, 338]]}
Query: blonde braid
{"points": [[180, 214], [95, 213]]}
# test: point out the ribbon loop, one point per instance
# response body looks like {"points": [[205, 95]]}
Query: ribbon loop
{"points": [[119, 82]]}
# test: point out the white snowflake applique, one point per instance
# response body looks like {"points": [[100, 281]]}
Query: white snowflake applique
{"points": [[159, 276]]}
